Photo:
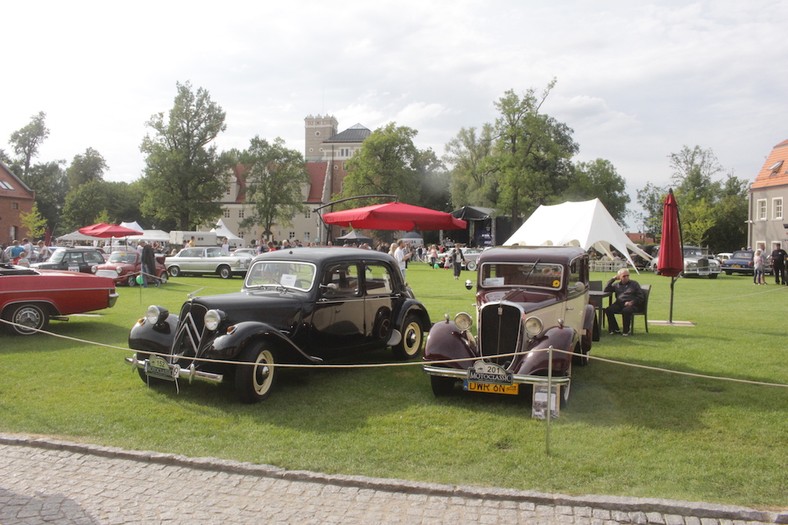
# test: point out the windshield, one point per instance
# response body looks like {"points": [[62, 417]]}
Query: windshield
{"points": [[298, 275], [121, 257], [543, 275], [58, 256]]}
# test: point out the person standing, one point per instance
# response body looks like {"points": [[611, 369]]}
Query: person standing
{"points": [[225, 246], [778, 264], [43, 251], [757, 268], [401, 254], [629, 299], [148, 264], [457, 260]]}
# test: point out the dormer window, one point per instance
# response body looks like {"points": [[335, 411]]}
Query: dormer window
{"points": [[775, 168]]}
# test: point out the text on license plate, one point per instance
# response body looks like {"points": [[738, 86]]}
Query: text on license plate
{"points": [[489, 388]]}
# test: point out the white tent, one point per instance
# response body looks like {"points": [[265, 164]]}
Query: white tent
{"points": [[134, 225], [587, 224], [76, 236], [221, 230], [151, 236]]}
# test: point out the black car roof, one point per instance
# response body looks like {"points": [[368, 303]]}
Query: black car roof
{"points": [[322, 254]]}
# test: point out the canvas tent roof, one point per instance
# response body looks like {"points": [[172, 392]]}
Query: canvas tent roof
{"points": [[587, 224], [221, 230], [151, 235]]}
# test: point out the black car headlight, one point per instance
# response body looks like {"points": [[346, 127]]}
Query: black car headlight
{"points": [[156, 314], [213, 318]]}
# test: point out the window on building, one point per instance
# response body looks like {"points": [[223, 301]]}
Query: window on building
{"points": [[775, 168], [291, 235], [14, 205], [777, 208], [307, 237], [308, 213], [241, 213], [760, 210], [5, 185], [227, 212]]}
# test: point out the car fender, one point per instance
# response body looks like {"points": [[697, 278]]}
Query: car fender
{"points": [[230, 345], [155, 338], [536, 362], [414, 307], [446, 341], [588, 319]]}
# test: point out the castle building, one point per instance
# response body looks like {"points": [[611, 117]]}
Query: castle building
{"points": [[767, 227], [325, 152]]}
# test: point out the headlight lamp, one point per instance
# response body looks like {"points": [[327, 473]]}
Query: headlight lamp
{"points": [[463, 321], [212, 319], [533, 326], [156, 314]]}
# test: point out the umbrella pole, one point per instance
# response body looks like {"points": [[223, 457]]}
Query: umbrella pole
{"points": [[672, 282]]}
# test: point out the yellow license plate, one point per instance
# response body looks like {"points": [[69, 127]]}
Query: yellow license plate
{"points": [[488, 388]]}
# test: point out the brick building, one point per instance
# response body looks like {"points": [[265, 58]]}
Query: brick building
{"points": [[15, 198]]}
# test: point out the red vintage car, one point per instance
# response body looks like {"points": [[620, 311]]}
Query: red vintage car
{"points": [[125, 266], [29, 298]]}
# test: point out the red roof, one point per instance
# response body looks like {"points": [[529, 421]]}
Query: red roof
{"points": [[775, 170]]}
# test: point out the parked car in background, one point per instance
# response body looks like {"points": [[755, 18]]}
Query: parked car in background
{"points": [[741, 261], [303, 306], [30, 298], [79, 259], [723, 256], [528, 299], [471, 256], [696, 263], [210, 260], [123, 267], [245, 252]]}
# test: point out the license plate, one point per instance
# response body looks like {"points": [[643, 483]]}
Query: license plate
{"points": [[490, 388], [159, 368]]}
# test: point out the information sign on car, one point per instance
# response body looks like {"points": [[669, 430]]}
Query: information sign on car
{"points": [[490, 378], [158, 367]]}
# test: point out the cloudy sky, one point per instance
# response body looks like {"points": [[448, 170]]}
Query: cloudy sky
{"points": [[636, 80]]}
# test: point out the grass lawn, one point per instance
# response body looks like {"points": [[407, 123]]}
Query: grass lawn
{"points": [[626, 431]]}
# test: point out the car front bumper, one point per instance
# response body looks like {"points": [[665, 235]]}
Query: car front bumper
{"points": [[462, 374]]}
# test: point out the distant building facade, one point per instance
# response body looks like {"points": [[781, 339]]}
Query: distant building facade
{"points": [[325, 153], [15, 198], [767, 226]]}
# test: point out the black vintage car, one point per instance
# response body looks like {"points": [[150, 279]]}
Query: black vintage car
{"points": [[528, 300], [81, 259], [299, 306]]}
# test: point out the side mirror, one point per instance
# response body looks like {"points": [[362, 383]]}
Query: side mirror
{"points": [[580, 286]]}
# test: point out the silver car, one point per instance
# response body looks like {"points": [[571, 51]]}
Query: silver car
{"points": [[202, 260]]}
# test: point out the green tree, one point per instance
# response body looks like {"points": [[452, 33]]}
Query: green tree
{"points": [[533, 153], [48, 180], [83, 202], [435, 182], [651, 199], [275, 181], [90, 166], [473, 174], [33, 222], [729, 229], [599, 179], [184, 175], [387, 163], [26, 141]]}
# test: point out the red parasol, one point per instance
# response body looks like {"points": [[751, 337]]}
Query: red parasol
{"points": [[105, 230], [671, 252], [394, 216]]}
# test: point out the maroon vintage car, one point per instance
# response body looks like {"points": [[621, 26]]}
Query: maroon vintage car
{"points": [[528, 300], [125, 266], [29, 298]]}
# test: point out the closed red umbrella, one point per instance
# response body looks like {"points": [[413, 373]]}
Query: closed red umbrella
{"points": [[395, 216], [671, 252]]}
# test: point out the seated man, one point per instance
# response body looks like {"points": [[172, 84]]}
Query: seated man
{"points": [[629, 299]]}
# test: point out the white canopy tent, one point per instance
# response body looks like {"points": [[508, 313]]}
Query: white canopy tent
{"points": [[221, 230], [151, 236], [587, 224]]}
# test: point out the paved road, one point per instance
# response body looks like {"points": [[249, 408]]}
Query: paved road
{"points": [[48, 481]]}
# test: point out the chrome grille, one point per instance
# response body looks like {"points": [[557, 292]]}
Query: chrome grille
{"points": [[500, 330], [190, 329]]}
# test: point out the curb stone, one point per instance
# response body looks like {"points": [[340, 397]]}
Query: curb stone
{"points": [[654, 507]]}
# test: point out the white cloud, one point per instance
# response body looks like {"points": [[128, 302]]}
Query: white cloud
{"points": [[636, 81]]}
